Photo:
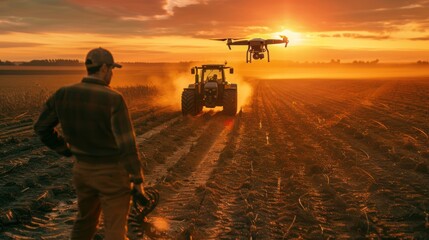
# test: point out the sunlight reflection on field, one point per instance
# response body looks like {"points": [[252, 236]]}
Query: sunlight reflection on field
{"points": [[160, 224]]}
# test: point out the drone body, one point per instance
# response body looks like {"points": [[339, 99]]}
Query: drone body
{"points": [[256, 47]]}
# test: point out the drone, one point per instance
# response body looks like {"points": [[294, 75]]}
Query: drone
{"points": [[255, 47]]}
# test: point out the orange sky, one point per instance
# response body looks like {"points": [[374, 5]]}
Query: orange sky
{"points": [[178, 30]]}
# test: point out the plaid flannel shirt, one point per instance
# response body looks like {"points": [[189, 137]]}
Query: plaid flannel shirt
{"points": [[95, 122]]}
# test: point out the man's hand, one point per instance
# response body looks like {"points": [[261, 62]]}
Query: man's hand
{"points": [[71, 158], [66, 153], [139, 193]]}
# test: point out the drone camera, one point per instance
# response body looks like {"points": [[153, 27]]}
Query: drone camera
{"points": [[257, 56]]}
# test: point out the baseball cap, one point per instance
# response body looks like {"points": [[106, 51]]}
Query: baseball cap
{"points": [[99, 56]]}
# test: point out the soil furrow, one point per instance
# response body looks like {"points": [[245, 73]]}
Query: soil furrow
{"points": [[223, 211], [378, 174], [317, 200], [182, 189]]}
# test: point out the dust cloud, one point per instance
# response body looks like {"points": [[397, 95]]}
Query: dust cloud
{"points": [[292, 70], [170, 88], [244, 92]]}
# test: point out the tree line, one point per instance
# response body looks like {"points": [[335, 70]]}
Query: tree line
{"points": [[43, 62], [6, 63], [75, 62], [52, 62]]}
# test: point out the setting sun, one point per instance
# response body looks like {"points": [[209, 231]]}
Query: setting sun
{"points": [[295, 38]]}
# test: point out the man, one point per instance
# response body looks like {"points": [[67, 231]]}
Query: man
{"points": [[99, 134]]}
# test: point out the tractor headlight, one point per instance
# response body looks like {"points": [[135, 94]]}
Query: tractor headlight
{"points": [[210, 90]]}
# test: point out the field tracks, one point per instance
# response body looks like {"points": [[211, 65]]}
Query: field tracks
{"points": [[187, 171], [311, 159], [156, 130]]}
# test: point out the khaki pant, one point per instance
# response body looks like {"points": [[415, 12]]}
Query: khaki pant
{"points": [[101, 187]]}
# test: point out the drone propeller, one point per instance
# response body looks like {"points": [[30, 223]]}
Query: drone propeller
{"points": [[225, 39], [229, 43], [229, 40], [285, 39], [219, 39]]}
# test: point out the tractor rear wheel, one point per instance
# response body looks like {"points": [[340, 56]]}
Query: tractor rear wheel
{"points": [[230, 102], [189, 105]]}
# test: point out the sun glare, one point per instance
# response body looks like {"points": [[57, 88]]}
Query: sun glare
{"points": [[295, 38]]}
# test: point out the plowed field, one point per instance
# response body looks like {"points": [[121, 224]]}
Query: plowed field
{"points": [[311, 159]]}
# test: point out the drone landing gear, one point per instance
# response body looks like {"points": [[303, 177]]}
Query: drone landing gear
{"points": [[268, 52], [248, 55]]}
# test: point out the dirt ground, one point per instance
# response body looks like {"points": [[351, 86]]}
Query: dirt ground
{"points": [[304, 159]]}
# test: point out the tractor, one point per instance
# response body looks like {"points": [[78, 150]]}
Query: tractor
{"points": [[210, 90]]}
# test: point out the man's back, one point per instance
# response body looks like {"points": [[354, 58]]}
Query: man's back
{"points": [[85, 112], [94, 119]]}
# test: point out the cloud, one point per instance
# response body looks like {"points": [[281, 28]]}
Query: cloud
{"points": [[122, 7], [364, 36], [59, 16], [426, 38], [212, 18], [11, 21], [145, 18], [172, 4], [140, 11], [355, 35], [19, 44], [303, 16]]}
